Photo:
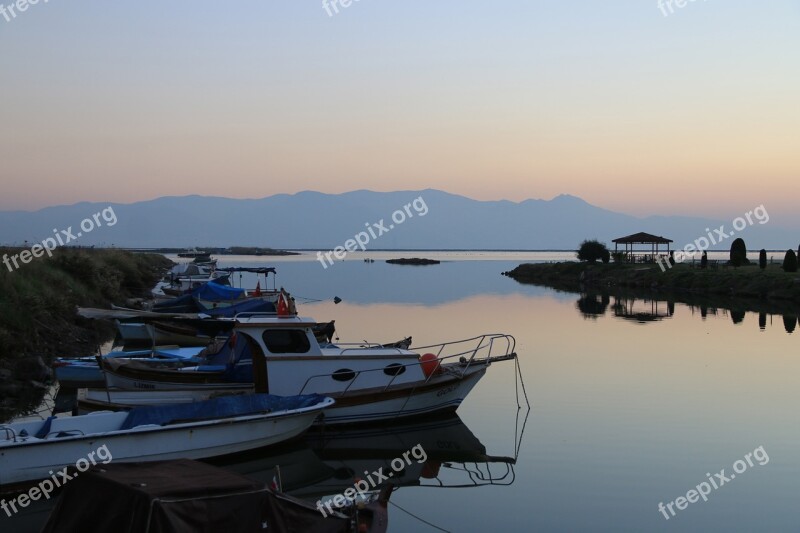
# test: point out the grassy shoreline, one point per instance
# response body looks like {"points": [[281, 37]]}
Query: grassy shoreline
{"points": [[744, 282], [38, 319]]}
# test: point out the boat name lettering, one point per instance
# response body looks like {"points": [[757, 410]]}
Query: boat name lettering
{"points": [[448, 390]]}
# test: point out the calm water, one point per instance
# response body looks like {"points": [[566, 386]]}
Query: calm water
{"points": [[633, 403]]}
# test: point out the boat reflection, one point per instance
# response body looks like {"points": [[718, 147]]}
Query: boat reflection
{"points": [[440, 452], [329, 460]]}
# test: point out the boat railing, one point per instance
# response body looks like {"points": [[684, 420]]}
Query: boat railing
{"points": [[484, 345], [478, 343], [477, 474], [358, 346], [10, 433], [255, 314]]}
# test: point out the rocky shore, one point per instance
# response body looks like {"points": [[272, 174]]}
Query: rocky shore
{"points": [[418, 261]]}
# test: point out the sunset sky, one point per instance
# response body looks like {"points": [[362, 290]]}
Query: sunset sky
{"points": [[697, 112]]}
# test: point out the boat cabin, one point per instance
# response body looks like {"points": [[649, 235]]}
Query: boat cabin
{"points": [[288, 359]]}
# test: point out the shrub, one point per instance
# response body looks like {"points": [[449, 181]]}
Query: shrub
{"points": [[762, 259], [790, 261], [592, 251], [704, 260], [738, 253], [606, 256], [619, 257]]}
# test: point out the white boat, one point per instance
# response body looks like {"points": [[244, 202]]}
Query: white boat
{"points": [[36, 450], [91, 400], [370, 382]]}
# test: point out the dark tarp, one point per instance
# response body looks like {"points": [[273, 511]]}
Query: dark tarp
{"points": [[160, 497], [188, 496], [288, 514], [181, 304], [190, 304], [222, 407]]}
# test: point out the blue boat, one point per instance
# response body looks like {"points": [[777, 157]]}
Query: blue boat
{"points": [[80, 372]]}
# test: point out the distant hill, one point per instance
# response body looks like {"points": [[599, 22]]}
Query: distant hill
{"points": [[322, 221]]}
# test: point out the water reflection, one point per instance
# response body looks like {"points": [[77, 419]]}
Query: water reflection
{"points": [[329, 459], [645, 309], [593, 305]]}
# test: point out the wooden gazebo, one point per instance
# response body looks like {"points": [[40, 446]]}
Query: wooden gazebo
{"points": [[643, 256]]}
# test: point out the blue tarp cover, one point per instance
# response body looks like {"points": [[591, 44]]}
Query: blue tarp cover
{"points": [[256, 305], [223, 407], [181, 304], [217, 293]]}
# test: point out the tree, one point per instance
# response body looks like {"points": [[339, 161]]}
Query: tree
{"points": [[762, 259], [592, 251], [790, 261], [738, 253]]}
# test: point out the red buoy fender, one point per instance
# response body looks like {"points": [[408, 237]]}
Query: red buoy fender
{"points": [[429, 363]]}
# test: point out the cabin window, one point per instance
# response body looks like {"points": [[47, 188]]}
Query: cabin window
{"points": [[286, 341], [343, 374], [395, 369]]}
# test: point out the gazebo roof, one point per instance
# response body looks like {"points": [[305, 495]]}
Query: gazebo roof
{"points": [[642, 238]]}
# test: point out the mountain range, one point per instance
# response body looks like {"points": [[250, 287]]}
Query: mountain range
{"points": [[428, 219]]}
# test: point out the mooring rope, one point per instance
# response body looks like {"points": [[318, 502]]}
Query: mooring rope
{"points": [[418, 518]]}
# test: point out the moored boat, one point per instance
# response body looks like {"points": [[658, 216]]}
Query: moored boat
{"points": [[80, 372], [371, 382], [33, 450]]}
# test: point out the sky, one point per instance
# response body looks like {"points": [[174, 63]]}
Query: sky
{"points": [[695, 112]]}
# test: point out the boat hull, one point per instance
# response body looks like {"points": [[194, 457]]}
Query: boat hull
{"points": [[91, 400], [196, 381], [77, 376], [41, 458], [441, 394]]}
